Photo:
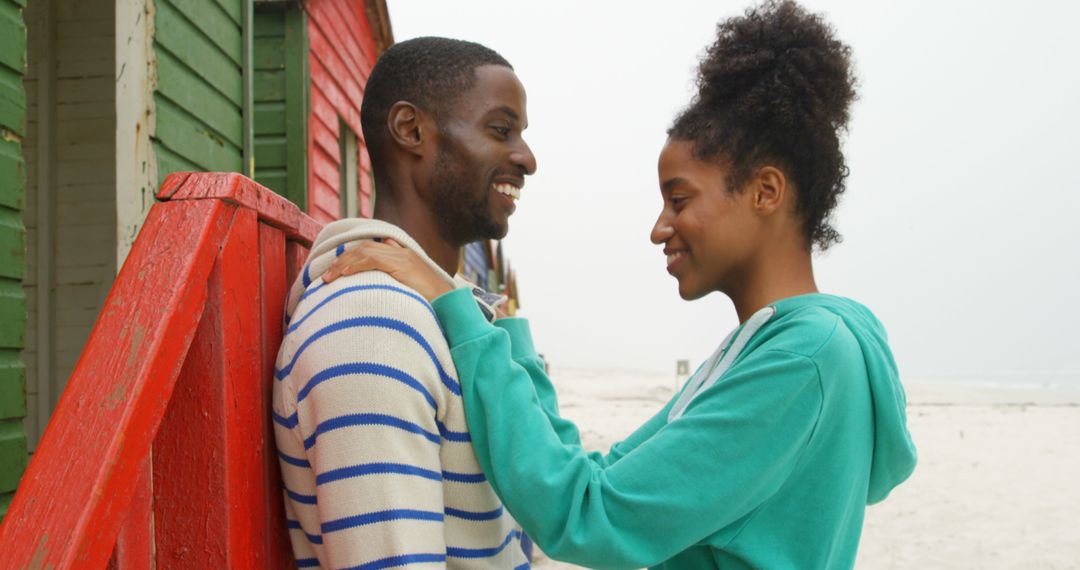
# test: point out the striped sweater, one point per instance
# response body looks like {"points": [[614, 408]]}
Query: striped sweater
{"points": [[376, 460]]}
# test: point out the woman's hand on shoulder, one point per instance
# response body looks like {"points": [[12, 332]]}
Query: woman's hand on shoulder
{"points": [[396, 261]]}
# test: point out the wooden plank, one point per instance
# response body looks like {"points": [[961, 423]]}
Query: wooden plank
{"points": [[126, 376], [209, 487], [190, 92], [274, 288], [325, 18], [98, 25], [323, 110], [326, 197], [203, 57], [12, 314], [13, 450], [332, 58], [12, 102], [12, 175], [270, 52], [269, 22], [272, 178], [271, 151], [269, 118], [169, 162], [13, 383], [12, 37], [84, 89], [340, 100], [234, 8], [240, 190], [208, 17], [188, 137], [135, 543], [270, 85], [12, 247], [326, 140]]}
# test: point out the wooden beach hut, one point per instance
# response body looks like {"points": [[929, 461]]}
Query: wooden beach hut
{"points": [[101, 99]]}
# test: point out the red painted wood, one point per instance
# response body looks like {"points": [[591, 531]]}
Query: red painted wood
{"points": [[273, 289], [328, 16], [325, 167], [182, 356], [336, 63], [242, 191], [325, 199], [68, 513], [342, 55], [134, 546], [209, 457], [326, 139]]}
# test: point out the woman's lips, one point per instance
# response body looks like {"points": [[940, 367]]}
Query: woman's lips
{"points": [[674, 258]]}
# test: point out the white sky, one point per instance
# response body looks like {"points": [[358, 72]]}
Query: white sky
{"points": [[961, 217]]}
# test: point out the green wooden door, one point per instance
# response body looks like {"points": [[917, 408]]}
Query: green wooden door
{"points": [[280, 96]]}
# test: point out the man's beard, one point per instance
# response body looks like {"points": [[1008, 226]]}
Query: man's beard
{"points": [[462, 215]]}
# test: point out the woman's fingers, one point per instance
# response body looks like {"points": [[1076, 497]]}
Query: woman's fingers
{"points": [[355, 259], [393, 259]]}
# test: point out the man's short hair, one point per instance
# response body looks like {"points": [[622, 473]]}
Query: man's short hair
{"points": [[429, 72]]}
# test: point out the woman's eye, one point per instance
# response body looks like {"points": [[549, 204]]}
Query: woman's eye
{"points": [[677, 201], [503, 131]]}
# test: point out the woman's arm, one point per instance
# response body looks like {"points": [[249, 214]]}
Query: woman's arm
{"points": [[523, 352], [690, 478]]}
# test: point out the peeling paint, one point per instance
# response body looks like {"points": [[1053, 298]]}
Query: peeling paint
{"points": [[37, 562]]}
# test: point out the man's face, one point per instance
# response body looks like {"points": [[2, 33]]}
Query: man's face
{"points": [[482, 160]]}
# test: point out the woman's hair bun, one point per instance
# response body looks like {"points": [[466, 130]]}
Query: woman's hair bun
{"points": [[778, 57]]}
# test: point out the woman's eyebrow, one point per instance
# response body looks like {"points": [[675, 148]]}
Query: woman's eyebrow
{"points": [[671, 183]]}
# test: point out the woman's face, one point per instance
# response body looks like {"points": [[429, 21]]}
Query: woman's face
{"points": [[707, 231]]}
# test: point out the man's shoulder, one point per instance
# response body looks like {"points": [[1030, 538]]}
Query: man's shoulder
{"points": [[367, 294]]}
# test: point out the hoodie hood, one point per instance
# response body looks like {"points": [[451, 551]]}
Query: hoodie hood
{"points": [[894, 452], [340, 235]]}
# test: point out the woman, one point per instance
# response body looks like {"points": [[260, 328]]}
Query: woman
{"points": [[770, 453]]}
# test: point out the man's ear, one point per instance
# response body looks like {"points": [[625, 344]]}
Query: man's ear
{"points": [[769, 186], [409, 127]]}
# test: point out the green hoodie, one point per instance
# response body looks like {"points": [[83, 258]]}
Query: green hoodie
{"points": [[771, 466]]}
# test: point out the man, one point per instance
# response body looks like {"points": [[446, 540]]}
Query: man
{"points": [[378, 467]]}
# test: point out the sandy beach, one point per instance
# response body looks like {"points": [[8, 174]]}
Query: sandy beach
{"points": [[996, 486]]}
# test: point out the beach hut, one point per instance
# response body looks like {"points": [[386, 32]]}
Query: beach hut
{"points": [[101, 99]]}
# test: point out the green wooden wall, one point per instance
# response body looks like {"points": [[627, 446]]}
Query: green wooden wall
{"points": [[280, 98], [199, 99], [13, 455]]}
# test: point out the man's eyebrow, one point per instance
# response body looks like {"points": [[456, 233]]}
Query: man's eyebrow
{"points": [[510, 112]]}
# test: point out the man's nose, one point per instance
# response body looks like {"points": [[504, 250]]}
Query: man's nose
{"points": [[523, 157]]}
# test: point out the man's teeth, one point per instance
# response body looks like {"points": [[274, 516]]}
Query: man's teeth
{"points": [[509, 189], [673, 256]]}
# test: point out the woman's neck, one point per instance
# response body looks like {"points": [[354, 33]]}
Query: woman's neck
{"points": [[778, 276]]}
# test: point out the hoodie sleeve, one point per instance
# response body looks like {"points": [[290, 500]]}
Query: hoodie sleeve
{"points": [[691, 478], [524, 354]]}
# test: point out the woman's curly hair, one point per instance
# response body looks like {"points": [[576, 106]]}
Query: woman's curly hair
{"points": [[774, 89]]}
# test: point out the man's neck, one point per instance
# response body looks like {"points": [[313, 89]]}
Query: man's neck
{"points": [[407, 212]]}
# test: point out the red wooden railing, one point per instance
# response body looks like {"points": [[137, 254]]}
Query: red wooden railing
{"points": [[160, 451]]}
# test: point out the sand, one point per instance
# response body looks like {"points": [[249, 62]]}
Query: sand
{"points": [[997, 485]]}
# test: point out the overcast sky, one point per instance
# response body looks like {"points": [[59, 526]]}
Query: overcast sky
{"points": [[962, 216]]}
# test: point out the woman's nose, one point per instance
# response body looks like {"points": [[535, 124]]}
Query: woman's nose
{"points": [[662, 229]]}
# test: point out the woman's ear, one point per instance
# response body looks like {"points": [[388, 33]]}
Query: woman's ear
{"points": [[407, 126], [769, 186]]}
